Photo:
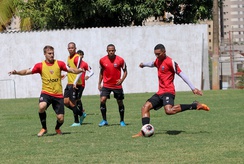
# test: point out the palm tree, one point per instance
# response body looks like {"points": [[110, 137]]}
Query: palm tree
{"points": [[7, 11]]}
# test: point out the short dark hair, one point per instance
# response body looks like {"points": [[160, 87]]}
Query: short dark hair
{"points": [[159, 46], [72, 43], [110, 45], [47, 47], [80, 52]]}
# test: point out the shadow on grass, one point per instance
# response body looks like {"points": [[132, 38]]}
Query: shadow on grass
{"points": [[115, 125], [177, 132]]}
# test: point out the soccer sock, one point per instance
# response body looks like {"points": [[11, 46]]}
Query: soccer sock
{"points": [[145, 120], [58, 125], [185, 107], [79, 105], [121, 112], [76, 112], [103, 110], [43, 117]]}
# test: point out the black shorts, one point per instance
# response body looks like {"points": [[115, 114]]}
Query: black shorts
{"points": [[57, 103], [158, 101], [73, 94], [118, 93]]}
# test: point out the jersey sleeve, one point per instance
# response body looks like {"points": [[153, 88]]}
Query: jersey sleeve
{"points": [[63, 66], [176, 67], [77, 61], [37, 68]]}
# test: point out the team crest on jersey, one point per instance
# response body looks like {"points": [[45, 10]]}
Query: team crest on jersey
{"points": [[51, 71], [162, 68], [115, 65]]}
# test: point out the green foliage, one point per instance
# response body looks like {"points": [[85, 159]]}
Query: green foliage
{"points": [[188, 137], [49, 14], [190, 11], [7, 11], [240, 80]]}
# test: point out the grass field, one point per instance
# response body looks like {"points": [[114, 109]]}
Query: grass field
{"points": [[189, 137]]}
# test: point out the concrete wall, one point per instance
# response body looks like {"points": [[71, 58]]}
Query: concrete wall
{"points": [[186, 44]]}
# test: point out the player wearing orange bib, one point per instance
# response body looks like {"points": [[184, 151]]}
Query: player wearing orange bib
{"points": [[50, 71], [71, 92]]}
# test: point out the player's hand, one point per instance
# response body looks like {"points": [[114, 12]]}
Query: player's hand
{"points": [[141, 65], [197, 92], [99, 87], [119, 82], [63, 76], [75, 86], [86, 77], [14, 72]]}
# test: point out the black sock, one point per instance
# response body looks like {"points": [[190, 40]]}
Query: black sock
{"points": [[79, 105], [185, 107], [43, 117], [121, 112], [58, 124], [76, 112], [145, 120], [103, 111]]}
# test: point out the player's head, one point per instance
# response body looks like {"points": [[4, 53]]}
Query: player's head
{"points": [[159, 51], [111, 50], [159, 46], [81, 53], [49, 53], [72, 48]]}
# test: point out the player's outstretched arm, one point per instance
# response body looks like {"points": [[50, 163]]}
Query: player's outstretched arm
{"points": [[75, 70], [22, 72], [149, 64]]}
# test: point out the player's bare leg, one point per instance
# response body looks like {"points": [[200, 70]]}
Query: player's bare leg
{"points": [[145, 114]]}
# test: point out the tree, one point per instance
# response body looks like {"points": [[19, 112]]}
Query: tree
{"points": [[189, 11], [60, 14], [7, 11]]}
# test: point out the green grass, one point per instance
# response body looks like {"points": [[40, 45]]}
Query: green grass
{"points": [[189, 137]]}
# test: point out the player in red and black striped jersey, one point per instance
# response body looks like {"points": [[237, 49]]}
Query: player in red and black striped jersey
{"points": [[83, 77], [52, 92], [167, 68], [111, 67]]}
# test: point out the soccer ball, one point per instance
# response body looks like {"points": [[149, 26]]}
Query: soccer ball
{"points": [[147, 130]]}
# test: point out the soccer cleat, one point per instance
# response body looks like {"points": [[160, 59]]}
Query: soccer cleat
{"points": [[42, 132], [82, 118], [201, 106], [137, 135], [75, 124], [122, 123], [103, 123], [58, 131]]}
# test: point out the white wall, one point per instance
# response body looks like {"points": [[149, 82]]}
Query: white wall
{"points": [[186, 44]]}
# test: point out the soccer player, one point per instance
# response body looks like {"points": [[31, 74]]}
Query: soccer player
{"points": [[167, 68], [71, 92], [83, 78], [111, 66], [52, 92]]}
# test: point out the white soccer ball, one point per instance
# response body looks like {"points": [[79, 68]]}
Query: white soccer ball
{"points": [[147, 130]]}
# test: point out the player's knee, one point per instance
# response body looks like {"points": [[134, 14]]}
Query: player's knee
{"points": [[146, 107], [66, 102], [60, 118], [169, 111], [103, 100]]}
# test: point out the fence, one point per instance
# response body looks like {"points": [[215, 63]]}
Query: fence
{"points": [[9, 88], [232, 60]]}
